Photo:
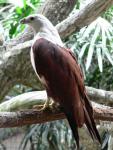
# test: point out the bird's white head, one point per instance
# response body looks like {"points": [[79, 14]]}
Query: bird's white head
{"points": [[36, 21], [43, 27]]}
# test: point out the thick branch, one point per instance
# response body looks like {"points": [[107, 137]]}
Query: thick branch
{"points": [[15, 67], [28, 100], [56, 11], [99, 95], [13, 119], [84, 17]]}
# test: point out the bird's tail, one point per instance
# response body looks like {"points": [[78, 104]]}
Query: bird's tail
{"points": [[89, 120], [74, 127]]}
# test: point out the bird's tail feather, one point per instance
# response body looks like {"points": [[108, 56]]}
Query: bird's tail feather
{"points": [[89, 121], [74, 128]]}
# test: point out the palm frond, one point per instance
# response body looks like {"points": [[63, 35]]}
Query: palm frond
{"points": [[95, 42]]}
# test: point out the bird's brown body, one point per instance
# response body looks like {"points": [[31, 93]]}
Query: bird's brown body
{"points": [[64, 84]]}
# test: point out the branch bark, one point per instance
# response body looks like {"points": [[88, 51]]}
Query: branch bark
{"points": [[84, 17], [29, 99], [100, 96], [15, 68], [31, 116], [21, 118], [59, 9]]}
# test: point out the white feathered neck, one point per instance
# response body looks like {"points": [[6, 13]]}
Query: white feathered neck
{"points": [[47, 31]]}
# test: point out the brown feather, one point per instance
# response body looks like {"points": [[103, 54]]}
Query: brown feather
{"points": [[65, 84]]}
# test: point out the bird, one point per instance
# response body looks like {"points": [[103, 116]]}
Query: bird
{"points": [[58, 70]]}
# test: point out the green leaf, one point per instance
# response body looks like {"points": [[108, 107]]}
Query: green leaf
{"points": [[104, 46], [19, 10], [77, 5], [91, 47], [107, 53], [83, 50], [89, 29], [103, 39], [99, 57], [31, 5], [3, 1], [108, 35], [25, 4]]}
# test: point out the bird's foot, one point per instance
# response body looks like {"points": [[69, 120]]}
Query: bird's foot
{"points": [[38, 107], [42, 107], [49, 105], [54, 106]]}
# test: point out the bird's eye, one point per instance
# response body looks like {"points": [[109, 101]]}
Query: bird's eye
{"points": [[32, 18]]}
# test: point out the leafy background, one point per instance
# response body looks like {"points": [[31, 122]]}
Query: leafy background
{"points": [[93, 46]]}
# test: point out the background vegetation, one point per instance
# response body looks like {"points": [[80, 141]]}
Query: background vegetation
{"points": [[93, 46]]}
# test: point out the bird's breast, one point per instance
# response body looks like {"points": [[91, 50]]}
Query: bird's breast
{"points": [[32, 60], [41, 77]]}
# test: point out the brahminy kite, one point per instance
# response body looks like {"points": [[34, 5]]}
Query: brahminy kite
{"points": [[58, 70]]}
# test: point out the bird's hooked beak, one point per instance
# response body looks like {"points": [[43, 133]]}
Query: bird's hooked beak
{"points": [[24, 21]]}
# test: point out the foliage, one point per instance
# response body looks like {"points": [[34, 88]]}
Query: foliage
{"points": [[100, 80], [109, 15], [49, 136], [94, 42], [11, 15]]}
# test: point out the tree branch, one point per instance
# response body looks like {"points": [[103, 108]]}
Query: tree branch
{"points": [[20, 118], [100, 96], [14, 67], [29, 99], [27, 117], [84, 17], [56, 11]]}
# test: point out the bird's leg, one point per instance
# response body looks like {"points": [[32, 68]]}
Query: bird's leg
{"points": [[51, 102], [53, 105], [43, 107], [48, 105]]}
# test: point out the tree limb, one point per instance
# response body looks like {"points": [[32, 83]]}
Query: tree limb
{"points": [[31, 116], [29, 99], [84, 17], [100, 96], [14, 67], [20, 118], [56, 11]]}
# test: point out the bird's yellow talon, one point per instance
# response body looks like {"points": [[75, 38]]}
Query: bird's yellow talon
{"points": [[46, 106]]}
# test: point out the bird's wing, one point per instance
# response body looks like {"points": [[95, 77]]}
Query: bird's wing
{"points": [[65, 84]]}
